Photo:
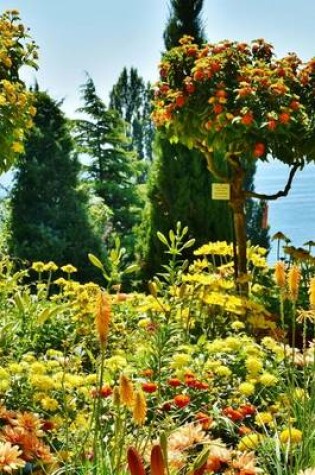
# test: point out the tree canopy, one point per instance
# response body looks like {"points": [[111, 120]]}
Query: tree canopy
{"points": [[16, 103], [239, 102], [49, 213]]}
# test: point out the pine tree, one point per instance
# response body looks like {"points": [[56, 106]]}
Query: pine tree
{"points": [[113, 167], [49, 216], [180, 184]]}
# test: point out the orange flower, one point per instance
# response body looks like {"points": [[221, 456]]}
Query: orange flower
{"points": [[284, 118], [272, 124], [135, 463], [105, 391], [217, 108], [181, 400], [126, 391], [247, 119], [280, 277], [29, 422], [259, 149], [204, 420], [10, 458], [157, 461], [174, 382], [312, 293], [102, 317], [139, 407], [294, 277], [149, 387], [233, 414], [180, 100]]}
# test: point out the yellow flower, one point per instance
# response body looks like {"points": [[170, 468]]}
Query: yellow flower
{"points": [[49, 404], [253, 365], [139, 407], [17, 147], [180, 360], [312, 293], [4, 385], [247, 389], [50, 267], [263, 418], [249, 442], [38, 266], [268, 379], [223, 371], [294, 277], [280, 276], [102, 317], [237, 325], [69, 269], [290, 435], [37, 368], [42, 382], [126, 392]]}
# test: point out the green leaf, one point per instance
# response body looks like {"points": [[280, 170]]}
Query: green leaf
{"points": [[43, 316], [162, 238], [188, 244], [19, 302], [96, 262], [201, 459], [132, 268]]}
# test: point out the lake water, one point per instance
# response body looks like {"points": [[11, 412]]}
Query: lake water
{"points": [[294, 215]]}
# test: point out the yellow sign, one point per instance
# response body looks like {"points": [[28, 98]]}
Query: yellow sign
{"points": [[220, 191]]}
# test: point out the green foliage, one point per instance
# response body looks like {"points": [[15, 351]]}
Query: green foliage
{"points": [[180, 190], [184, 19], [113, 169], [132, 99], [180, 186], [17, 50], [49, 217]]}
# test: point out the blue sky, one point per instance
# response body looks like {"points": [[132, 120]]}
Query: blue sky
{"points": [[103, 36]]}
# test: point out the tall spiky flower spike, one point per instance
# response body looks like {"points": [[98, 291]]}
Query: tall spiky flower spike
{"points": [[102, 317], [135, 463], [139, 407], [157, 463], [126, 392], [294, 277], [312, 294], [280, 276]]}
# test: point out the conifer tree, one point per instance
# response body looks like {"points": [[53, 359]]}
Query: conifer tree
{"points": [[131, 97], [180, 185], [113, 167], [49, 219]]}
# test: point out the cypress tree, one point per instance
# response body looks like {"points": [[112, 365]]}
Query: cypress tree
{"points": [[49, 216], [131, 97], [180, 184], [113, 168]]}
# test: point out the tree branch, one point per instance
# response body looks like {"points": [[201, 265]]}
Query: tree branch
{"points": [[210, 162], [281, 193]]}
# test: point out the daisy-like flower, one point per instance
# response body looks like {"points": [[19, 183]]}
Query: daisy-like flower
{"points": [[246, 464], [30, 423], [10, 458]]}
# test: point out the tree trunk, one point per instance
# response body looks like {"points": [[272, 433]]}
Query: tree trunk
{"points": [[239, 220], [237, 203]]}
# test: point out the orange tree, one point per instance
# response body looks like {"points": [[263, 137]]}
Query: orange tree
{"points": [[16, 109], [237, 103]]}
